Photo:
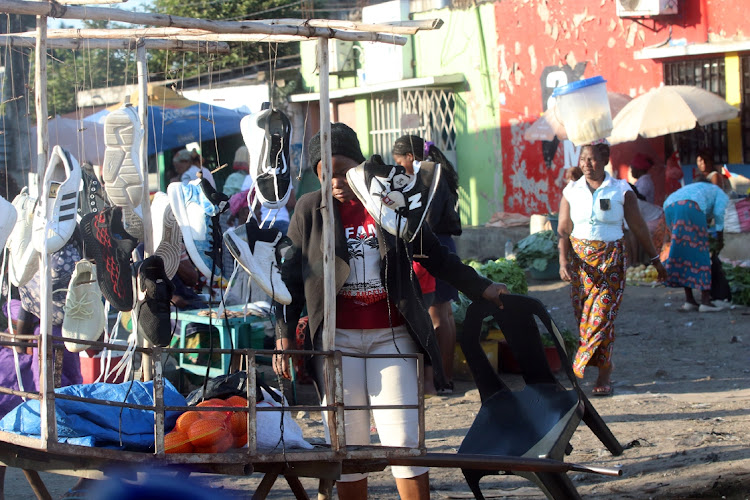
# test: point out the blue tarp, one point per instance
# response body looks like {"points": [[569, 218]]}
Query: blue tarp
{"points": [[173, 127], [88, 424]]}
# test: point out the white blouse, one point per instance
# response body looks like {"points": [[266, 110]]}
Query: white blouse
{"points": [[599, 215]]}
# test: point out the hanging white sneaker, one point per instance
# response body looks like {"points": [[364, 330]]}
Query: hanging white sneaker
{"points": [[24, 259], [8, 218], [121, 172], [267, 135], [257, 251], [55, 216], [84, 309], [396, 200]]}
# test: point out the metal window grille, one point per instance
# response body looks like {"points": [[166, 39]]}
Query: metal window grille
{"points": [[707, 74], [436, 120], [745, 108]]}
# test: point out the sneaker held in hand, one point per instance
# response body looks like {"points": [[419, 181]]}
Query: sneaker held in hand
{"points": [[397, 200]]}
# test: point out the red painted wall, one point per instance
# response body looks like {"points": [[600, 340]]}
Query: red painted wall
{"points": [[584, 38]]}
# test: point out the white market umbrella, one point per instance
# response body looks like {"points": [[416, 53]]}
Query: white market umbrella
{"points": [[547, 126], [667, 110]]}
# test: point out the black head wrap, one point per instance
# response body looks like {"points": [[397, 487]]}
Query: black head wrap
{"points": [[344, 142]]}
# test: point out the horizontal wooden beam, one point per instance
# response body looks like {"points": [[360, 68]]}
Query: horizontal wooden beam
{"points": [[169, 33], [398, 27], [120, 43], [56, 10], [91, 2]]}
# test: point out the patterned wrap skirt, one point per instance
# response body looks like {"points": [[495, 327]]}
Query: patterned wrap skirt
{"points": [[689, 262], [597, 285]]}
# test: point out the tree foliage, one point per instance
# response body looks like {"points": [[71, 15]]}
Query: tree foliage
{"points": [[70, 71], [168, 65]]}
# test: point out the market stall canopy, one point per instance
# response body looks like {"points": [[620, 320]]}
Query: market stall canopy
{"points": [[83, 139], [174, 121], [669, 109], [548, 126]]}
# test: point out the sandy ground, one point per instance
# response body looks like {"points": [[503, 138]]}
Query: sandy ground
{"points": [[681, 408]]}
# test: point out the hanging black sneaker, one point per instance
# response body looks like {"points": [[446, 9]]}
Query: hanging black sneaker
{"points": [[266, 135], [91, 198], [397, 200], [152, 309], [108, 244]]}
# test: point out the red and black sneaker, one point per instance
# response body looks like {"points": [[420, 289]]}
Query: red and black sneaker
{"points": [[109, 245]]}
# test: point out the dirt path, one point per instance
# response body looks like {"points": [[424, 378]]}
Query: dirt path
{"points": [[681, 406]]}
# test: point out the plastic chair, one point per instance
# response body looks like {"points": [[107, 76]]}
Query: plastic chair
{"points": [[540, 419]]}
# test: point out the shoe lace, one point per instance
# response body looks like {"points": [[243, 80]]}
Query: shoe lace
{"points": [[79, 307]]}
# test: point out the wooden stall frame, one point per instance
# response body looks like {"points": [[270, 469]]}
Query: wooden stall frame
{"points": [[205, 32]]}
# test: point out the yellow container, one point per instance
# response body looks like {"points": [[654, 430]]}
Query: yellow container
{"points": [[461, 369]]}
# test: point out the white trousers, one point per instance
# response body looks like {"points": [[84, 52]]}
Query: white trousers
{"points": [[379, 381]]}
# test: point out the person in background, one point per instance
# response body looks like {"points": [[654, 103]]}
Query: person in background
{"points": [[592, 257], [445, 222], [639, 169], [241, 165], [688, 211], [653, 216], [185, 171], [378, 310], [711, 172]]}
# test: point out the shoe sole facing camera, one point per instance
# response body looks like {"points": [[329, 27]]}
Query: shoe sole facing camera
{"points": [[123, 179], [266, 135], [24, 259], [167, 235], [56, 213], [260, 261]]}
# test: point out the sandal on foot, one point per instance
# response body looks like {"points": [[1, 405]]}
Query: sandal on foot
{"points": [[603, 390], [688, 307]]}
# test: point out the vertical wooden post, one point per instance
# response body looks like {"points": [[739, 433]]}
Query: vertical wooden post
{"points": [[158, 391], [46, 374], [329, 278], [148, 235], [142, 69]]}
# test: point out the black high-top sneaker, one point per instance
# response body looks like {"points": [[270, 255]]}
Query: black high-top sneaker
{"points": [[267, 135], [91, 198], [152, 308], [397, 200]]}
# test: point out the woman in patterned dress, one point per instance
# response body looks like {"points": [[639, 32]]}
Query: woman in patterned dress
{"points": [[592, 257]]}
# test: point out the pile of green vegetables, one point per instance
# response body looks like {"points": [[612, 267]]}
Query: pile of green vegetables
{"points": [[537, 250], [499, 271], [739, 282]]}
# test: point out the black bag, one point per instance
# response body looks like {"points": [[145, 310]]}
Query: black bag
{"points": [[720, 289], [234, 384]]}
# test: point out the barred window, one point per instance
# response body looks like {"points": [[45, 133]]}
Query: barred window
{"points": [[708, 74]]}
